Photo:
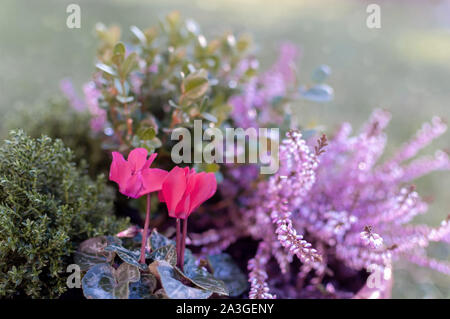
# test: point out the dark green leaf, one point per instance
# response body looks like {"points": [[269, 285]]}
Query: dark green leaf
{"points": [[201, 277], [173, 286], [194, 86], [99, 282], [128, 256], [119, 49], [157, 240], [92, 252], [146, 133], [125, 274], [226, 270]]}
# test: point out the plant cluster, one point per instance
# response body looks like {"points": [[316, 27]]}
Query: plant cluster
{"points": [[48, 206], [115, 272], [331, 214]]}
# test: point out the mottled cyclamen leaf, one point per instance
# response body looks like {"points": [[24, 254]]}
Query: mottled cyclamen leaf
{"points": [[143, 289], [92, 252], [167, 253], [128, 256], [225, 269], [318, 93], [99, 282], [125, 274], [202, 278], [157, 240], [174, 288]]}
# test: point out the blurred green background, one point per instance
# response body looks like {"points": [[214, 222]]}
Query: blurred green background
{"points": [[403, 67]]}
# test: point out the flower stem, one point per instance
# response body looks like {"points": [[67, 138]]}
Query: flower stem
{"points": [[183, 243], [178, 241], [145, 232]]}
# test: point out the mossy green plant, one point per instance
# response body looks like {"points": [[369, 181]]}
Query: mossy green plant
{"points": [[48, 205], [57, 119]]}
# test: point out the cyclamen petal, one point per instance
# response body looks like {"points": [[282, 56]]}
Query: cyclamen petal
{"points": [[120, 170], [184, 191], [138, 158], [153, 179], [173, 188], [204, 188]]}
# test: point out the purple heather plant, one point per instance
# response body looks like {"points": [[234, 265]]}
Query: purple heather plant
{"points": [[334, 205], [329, 215]]}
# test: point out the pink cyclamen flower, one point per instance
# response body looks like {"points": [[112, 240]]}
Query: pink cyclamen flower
{"points": [[184, 191], [135, 177]]}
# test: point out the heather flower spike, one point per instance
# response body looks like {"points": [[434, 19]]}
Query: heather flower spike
{"points": [[184, 191], [337, 199], [135, 179]]}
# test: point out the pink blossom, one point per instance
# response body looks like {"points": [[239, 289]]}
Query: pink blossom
{"points": [[184, 191], [135, 177]]}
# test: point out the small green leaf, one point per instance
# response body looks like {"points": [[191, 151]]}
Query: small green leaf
{"points": [[225, 269], [139, 34], [119, 49], [129, 64], [127, 273], [106, 68], [173, 286], [194, 86], [146, 133], [99, 282], [203, 279]]}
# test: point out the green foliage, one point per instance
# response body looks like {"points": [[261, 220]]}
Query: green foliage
{"points": [[166, 76], [47, 206], [103, 280], [57, 119]]}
